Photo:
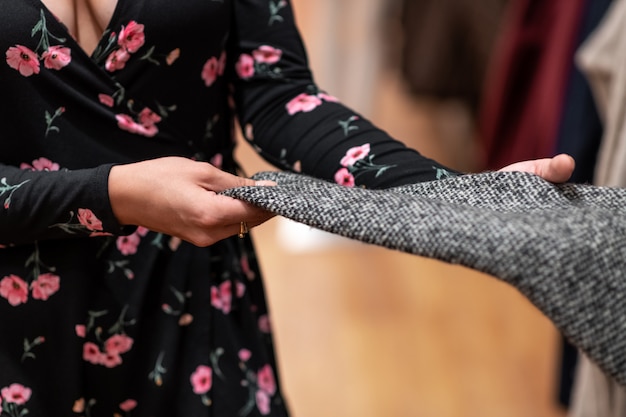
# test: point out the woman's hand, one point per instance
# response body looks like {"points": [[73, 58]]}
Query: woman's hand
{"points": [[178, 196], [557, 169]]}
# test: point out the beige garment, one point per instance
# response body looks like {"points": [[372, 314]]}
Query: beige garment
{"points": [[595, 394], [603, 60]]}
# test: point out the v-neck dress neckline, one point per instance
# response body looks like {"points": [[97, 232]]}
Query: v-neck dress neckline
{"points": [[104, 38]]}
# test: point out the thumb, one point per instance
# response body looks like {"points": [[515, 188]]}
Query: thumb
{"points": [[247, 182], [226, 181], [558, 169]]}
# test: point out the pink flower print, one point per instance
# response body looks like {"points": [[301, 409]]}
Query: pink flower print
{"points": [[22, 59], [209, 71], [45, 285], [81, 330], [267, 387], [44, 164], [14, 289], [89, 220], [118, 343], [185, 319], [131, 37], [245, 266], [343, 177], [222, 298], [117, 60], [16, 394], [245, 66], [263, 402], [110, 359], [244, 355], [267, 55], [303, 103], [128, 405], [57, 57], [146, 130], [125, 122], [142, 231], [79, 405], [240, 289], [265, 380], [264, 324], [172, 56], [106, 99], [175, 243], [41, 164], [327, 97], [148, 118], [91, 353], [355, 154], [127, 245], [146, 125], [202, 379]]}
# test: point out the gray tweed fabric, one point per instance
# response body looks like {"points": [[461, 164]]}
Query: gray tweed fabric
{"points": [[562, 246]]}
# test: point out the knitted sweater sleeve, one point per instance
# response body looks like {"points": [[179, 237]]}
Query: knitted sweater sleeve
{"points": [[297, 126]]}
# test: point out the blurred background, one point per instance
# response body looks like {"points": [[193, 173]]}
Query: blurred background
{"points": [[368, 332]]}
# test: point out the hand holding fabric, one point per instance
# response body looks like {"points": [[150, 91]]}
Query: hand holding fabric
{"points": [[179, 197], [557, 169]]}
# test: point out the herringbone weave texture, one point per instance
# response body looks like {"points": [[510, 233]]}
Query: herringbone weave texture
{"points": [[562, 246]]}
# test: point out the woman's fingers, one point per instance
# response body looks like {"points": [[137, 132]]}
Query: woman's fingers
{"points": [[180, 197], [218, 180], [557, 169]]}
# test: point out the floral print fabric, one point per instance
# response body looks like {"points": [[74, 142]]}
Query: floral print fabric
{"points": [[103, 320]]}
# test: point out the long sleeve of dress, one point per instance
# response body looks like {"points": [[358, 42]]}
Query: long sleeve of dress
{"points": [[297, 126], [46, 204]]}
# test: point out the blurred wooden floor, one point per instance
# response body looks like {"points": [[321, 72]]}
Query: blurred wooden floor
{"points": [[366, 332]]}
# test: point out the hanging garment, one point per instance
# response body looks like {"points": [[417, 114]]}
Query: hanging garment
{"points": [[579, 135], [595, 394], [446, 46], [603, 61], [562, 246], [580, 130], [523, 98]]}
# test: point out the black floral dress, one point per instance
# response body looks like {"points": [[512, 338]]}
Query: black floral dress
{"points": [[97, 319]]}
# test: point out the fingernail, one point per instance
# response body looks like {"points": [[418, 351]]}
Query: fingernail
{"points": [[264, 183]]}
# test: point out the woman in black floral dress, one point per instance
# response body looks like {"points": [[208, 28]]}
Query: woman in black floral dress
{"points": [[109, 168]]}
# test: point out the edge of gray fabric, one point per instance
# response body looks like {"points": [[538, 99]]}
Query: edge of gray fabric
{"points": [[562, 246]]}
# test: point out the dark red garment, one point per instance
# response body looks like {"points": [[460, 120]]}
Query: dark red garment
{"points": [[526, 81]]}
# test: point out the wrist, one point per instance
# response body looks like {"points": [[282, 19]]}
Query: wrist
{"points": [[119, 194]]}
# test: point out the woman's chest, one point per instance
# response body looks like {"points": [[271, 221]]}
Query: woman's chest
{"points": [[86, 20], [90, 24]]}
